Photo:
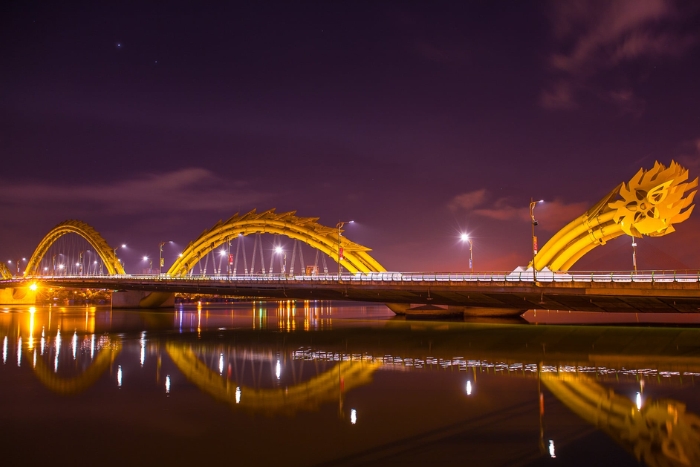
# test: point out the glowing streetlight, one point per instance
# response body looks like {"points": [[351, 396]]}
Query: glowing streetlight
{"points": [[161, 261], [116, 260], [534, 239], [634, 254], [465, 238], [280, 251], [150, 263], [340, 248]]}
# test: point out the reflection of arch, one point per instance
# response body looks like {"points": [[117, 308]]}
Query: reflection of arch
{"points": [[649, 204], [101, 247], [305, 396], [67, 386], [660, 433], [4, 272], [306, 229]]}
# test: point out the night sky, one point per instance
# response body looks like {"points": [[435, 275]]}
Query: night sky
{"points": [[419, 120]]}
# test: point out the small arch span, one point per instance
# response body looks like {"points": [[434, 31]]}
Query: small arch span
{"points": [[105, 252], [355, 257]]}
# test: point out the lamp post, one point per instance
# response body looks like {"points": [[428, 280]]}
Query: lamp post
{"points": [[465, 238], [116, 260], [534, 239], [280, 250], [150, 264], [340, 248], [161, 262], [634, 254]]}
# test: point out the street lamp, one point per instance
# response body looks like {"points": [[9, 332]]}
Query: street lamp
{"points": [[465, 238], [161, 262], [634, 254], [150, 263], [280, 250], [19, 264], [340, 248], [116, 260], [534, 239]]}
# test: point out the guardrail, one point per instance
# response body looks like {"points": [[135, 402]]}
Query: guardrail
{"points": [[409, 277]]}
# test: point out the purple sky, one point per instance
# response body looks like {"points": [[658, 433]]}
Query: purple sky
{"points": [[419, 120]]}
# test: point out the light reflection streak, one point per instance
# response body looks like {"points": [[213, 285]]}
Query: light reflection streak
{"points": [[74, 344], [278, 370], [469, 388], [58, 349], [143, 347], [238, 395], [638, 401], [353, 416], [19, 352], [167, 384], [43, 340], [92, 346], [32, 310], [221, 364], [4, 350], [34, 363], [119, 376], [551, 449]]}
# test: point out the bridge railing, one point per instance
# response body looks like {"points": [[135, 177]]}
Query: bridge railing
{"points": [[679, 276]]}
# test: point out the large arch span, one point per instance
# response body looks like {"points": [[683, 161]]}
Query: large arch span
{"points": [[105, 252], [355, 257]]}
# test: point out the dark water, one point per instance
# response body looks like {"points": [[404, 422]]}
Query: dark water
{"points": [[327, 384]]}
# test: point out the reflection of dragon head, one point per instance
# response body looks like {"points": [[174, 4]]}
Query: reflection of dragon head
{"points": [[653, 201]]}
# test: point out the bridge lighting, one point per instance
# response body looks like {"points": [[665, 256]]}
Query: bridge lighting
{"points": [[465, 238], [222, 252], [340, 248], [534, 239], [33, 287]]}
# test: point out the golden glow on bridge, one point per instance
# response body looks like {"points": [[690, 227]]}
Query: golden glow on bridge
{"points": [[105, 252], [306, 229], [651, 203]]}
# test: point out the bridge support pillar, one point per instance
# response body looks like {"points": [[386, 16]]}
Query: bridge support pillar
{"points": [[140, 299], [398, 308], [491, 312], [17, 296]]}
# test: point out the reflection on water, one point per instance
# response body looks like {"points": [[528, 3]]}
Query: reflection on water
{"points": [[344, 385]]}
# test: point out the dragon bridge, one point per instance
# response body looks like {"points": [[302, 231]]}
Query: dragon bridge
{"points": [[306, 229], [105, 252], [649, 204]]}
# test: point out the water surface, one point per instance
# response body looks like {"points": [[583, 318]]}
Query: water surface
{"points": [[319, 383]]}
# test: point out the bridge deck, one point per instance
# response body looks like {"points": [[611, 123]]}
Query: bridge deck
{"points": [[600, 292]]}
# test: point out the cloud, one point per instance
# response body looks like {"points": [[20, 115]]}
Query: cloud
{"points": [[468, 201], [559, 96], [192, 189], [593, 37], [551, 215]]}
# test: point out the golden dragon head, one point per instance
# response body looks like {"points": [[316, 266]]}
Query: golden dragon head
{"points": [[654, 200]]}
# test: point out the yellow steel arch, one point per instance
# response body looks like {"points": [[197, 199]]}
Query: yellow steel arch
{"points": [[5, 272], [99, 244], [304, 396], [649, 204], [659, 433], [67, 386], [307, 229]]}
